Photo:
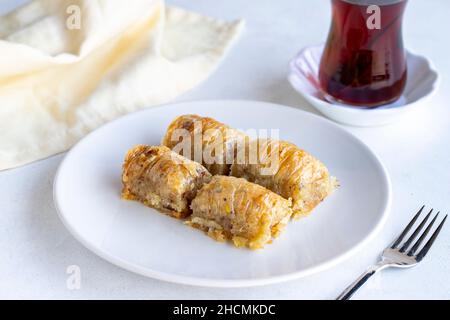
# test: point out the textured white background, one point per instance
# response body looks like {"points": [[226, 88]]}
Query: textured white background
{"points": [[35, 248]]}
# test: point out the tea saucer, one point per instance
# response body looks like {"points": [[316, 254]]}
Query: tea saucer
{"points": [[422, 83]]}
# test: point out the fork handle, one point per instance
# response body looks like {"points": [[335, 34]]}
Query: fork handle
{"points": [[358, 283]]}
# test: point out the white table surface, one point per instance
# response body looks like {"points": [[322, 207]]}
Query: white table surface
{"points": [[35, 248]]}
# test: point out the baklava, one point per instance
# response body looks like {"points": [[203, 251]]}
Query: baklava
{"points": [[286, 170], [162, 179], [205, 140], [230, 208]]}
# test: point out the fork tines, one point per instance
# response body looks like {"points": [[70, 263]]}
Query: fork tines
{"points": [[412, 252]]}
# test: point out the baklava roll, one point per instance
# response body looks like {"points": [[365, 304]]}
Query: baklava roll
{"points": [[286, 170], [230, 208], [162, 179], [205, 140]]}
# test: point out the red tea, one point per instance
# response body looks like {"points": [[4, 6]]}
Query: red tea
{"points": [[364, 62]]}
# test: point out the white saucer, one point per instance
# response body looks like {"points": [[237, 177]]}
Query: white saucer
{"points": [[88, 186], [422, 82]]}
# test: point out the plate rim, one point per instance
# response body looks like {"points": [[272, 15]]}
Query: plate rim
{"points": [[226, 283]]}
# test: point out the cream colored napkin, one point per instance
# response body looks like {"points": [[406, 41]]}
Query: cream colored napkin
{"points": [[67, 67]]}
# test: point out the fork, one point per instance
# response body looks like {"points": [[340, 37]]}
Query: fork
{"points": [[399, 254]]}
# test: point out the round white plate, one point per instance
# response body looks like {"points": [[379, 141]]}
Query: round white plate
{"points": [[132, 236]]}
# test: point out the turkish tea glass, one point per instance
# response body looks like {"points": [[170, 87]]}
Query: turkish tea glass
{"points": [[364, 61]]}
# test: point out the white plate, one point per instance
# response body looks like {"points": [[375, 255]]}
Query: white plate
{"points": [[422, 83], [130, 235]]}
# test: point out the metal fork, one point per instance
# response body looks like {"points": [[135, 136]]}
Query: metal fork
{"points": [[399, 254]]}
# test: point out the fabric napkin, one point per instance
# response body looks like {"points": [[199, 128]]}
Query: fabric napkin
{"points": [[69, 66]]}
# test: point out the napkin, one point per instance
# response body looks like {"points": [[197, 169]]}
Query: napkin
{"points": [[69, 66]]}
